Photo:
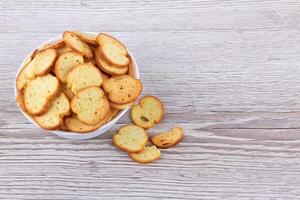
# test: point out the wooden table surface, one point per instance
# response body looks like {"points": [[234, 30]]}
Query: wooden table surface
{"points": [[227, 71]]}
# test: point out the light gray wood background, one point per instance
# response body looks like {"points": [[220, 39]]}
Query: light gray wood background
{"points": [[227, 71]]}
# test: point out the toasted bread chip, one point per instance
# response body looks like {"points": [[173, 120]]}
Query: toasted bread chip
{"points": [[148, 155], [107, 67], [122, 89], [65, 63], [130, 138], [52, 119], [121, 106], [22, 80], [87, 37], [73, 41], [63, 49], [67, 91], [168, 139], [41, 64], [90, 105], [148, 112], [83, 76], [113, 50], [59, 43], [55, 45], [75, 125], [20, 102], [39, 92], [111, 114]]}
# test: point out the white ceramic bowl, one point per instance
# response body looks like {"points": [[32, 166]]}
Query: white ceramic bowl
{"points": [[73, 135]]}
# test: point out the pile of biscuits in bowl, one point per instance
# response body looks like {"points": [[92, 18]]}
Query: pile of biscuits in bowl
{"points": [[80, 83]]}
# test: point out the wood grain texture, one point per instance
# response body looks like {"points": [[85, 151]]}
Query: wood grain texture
{"points": [[227, 71]]}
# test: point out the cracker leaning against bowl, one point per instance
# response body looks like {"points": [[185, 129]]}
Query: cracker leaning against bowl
{"points": [[99, 51]]}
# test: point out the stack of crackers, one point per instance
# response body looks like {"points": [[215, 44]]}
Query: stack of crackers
{"points": [[134, 139], [78, 83]]}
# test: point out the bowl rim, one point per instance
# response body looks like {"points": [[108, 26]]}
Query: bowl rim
{"points": [[70, 134]]}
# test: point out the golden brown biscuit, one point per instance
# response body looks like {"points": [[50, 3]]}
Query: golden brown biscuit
{"points": [[107, 67], [83, 76], [122, 89], [113, 50], [52, 119], [63, 49], [168, 139], [75, 125], [87, 37], [148, 155], [130, 138], [65, 63], [39, 92], [73, 42], [55, 45], [22, 80], [90, 105], [41, 64], [148, 112]]}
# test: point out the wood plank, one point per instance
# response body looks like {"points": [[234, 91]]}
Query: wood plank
{"points": [[227, 72]]}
